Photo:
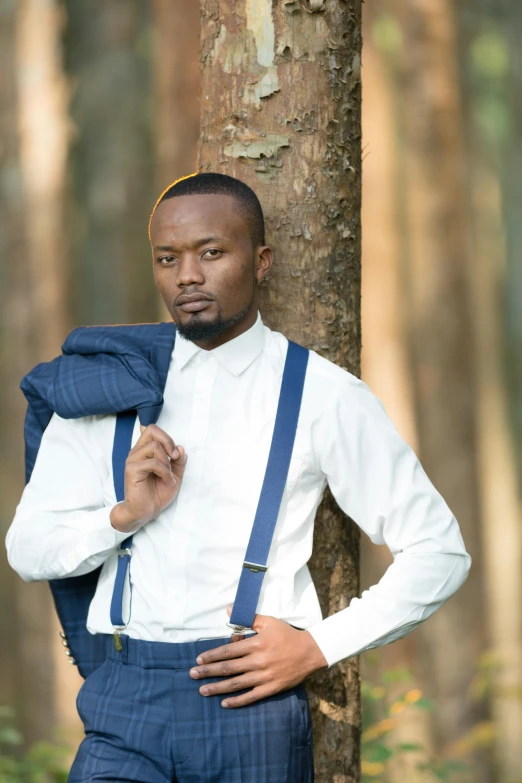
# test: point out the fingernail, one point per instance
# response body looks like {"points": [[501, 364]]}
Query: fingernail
{"points": [[175, 453], [199, 660], [224, 703], [204, 691], [194, 673]]}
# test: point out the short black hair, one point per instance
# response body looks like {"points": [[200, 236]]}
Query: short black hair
{"points": [[212, 182]]}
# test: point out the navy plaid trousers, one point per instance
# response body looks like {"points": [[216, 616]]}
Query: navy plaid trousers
{"points": [[146, 721]]}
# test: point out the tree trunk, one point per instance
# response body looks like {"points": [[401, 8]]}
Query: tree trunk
{"points": [[177, 88], [385, 361], [441, 344], [109, 59], [32, 327], [280, 109]]}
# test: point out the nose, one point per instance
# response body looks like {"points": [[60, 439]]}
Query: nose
{"points": [[190, 270]]}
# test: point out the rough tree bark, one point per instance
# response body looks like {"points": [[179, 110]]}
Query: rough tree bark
{"points": [[440, 330], [280, 109]]}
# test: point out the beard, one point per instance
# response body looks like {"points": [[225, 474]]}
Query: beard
{"points": [[198, 329]]}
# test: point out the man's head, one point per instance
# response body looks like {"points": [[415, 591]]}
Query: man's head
{"points": [[207, 236]]}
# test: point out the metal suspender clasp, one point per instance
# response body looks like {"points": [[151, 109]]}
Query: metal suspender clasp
{"points": [[254, 567], [240, 630], [117, 637], [124, 552]]}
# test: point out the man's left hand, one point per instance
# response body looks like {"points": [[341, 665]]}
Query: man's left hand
{"points": [[278, 657]]}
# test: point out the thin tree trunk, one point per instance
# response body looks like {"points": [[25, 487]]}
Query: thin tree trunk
{"points": [[109, 59], [441, 343], [385, 360], [177, 73], [27, 290], [177, 88], [281, 111]]}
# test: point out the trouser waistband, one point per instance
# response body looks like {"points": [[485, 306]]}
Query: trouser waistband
{"points": [[160, 655]]}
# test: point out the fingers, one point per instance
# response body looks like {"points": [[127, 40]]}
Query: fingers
{"points": [[239, 683], [222, 669], [236, 650], [154, 433], [153, 449], [145, 467], [259, 692]]}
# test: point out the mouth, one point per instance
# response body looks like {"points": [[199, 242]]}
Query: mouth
{"points": [[195, 305]]}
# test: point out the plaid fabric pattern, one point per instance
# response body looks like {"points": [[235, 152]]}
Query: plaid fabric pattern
{"points": [[103, 370], [145, 720]]}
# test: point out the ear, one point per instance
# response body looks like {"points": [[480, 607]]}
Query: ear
{"points": [[265, 257]]}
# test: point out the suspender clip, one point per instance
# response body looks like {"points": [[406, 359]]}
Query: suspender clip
{"points": [[124, 552], [254, 567], [239, 630], [117, 637]]}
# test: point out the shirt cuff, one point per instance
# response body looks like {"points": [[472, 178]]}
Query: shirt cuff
{"points": [[333, 638], [100, 536]]}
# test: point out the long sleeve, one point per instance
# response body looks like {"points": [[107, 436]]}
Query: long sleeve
{"points": [[378, 481], [62, 523]]}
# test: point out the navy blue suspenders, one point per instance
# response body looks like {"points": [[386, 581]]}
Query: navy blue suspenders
{"points": [[256, 558]]}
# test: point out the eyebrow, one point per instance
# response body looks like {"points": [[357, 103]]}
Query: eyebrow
{"points": [[199, 243]]}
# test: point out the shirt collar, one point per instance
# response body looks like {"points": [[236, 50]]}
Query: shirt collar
{"points": [[236, 354]]}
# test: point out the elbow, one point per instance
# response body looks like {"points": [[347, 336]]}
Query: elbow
{"points": [[19, 562], [465, 566]]}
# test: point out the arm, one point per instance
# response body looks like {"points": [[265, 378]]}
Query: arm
{"points": [[62, 526], [378, 481]]}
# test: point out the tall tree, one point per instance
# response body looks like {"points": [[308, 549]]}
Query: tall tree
{"points": [[440, 329], [177, 93], [34, 306], [176, 87], [492, 77], [108, 48], [280, 109], [385, 361]]}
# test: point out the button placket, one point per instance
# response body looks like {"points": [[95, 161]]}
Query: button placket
{"points": [[204, 378]]}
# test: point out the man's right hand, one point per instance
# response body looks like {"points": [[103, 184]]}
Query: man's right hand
{"points": [[152, 480]]}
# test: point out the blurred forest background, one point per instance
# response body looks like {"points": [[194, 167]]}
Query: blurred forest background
{"points": [[99, 111]]}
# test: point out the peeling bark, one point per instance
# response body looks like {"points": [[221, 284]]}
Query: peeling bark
{"points": [[280, 110]]}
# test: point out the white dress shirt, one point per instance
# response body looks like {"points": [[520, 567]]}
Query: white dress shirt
{"points": [[221, 405]]}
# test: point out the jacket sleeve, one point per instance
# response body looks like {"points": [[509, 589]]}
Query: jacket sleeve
{"points": [[62, 524], [378, 482]]}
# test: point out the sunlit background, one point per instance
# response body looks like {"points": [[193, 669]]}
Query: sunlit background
{"points": [[99, 111]]}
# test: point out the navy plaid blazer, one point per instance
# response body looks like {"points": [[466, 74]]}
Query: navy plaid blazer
{"points": [[102, 370]]}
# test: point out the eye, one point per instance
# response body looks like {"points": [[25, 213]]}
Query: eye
{"points": [[213, 251], [166, 260]]}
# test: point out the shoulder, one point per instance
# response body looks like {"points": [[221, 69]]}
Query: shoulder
{"points": [[93, 434], [327, 381], [332, 391]]}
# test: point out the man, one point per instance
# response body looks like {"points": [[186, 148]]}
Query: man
{"points": [[192, 481]]}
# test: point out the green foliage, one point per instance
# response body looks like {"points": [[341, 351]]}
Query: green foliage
{"points": [[386, 701], [44, 762]]}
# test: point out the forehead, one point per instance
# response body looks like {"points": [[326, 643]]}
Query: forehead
{"points": [[190, 217]]}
